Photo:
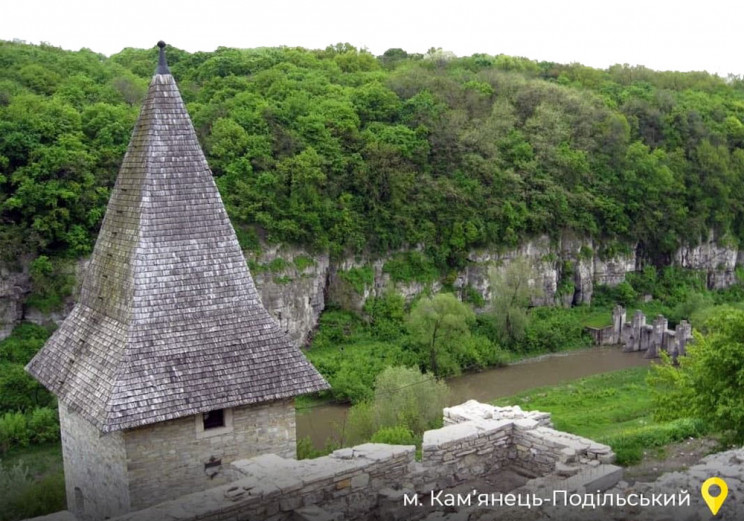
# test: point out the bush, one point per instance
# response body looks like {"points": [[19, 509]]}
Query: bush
{"points": [[43, 425], [23, 497], [23, 343], [51, 282], [708, 383], [606, 296], [19, 391], [387, 314], [412, 266], [477, 351], [358, 278], [351, 369], [13, 431], [406, 397], [554, 329], [397, 435]]}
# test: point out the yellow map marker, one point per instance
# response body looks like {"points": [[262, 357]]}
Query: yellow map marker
{"points": [[714, 503]]}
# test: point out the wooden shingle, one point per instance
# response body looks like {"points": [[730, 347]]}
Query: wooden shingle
{"points": [[169, 322]]}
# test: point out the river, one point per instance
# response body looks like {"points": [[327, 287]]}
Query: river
{"points": [[323, 422]]}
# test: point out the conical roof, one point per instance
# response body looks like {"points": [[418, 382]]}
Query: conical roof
{"points": [[168, 322]]}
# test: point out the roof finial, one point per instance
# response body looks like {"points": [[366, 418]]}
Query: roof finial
{"points": [[162, 64]]}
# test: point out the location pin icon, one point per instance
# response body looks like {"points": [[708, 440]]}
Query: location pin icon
{"points": [[714, 503]]}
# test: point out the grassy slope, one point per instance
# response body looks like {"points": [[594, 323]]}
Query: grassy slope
{"points": [[614, 408]]}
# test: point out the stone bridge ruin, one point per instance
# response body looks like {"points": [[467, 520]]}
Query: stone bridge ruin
{"points": [[637, 335]]}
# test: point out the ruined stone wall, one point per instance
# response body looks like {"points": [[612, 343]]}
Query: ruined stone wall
{"points": [[370, 481], [170, 459], [95, 469], [469, 449]]}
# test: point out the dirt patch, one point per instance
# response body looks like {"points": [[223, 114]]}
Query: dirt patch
{"points": [[671, 458]]}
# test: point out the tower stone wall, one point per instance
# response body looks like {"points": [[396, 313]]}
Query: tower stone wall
{"points": [[170, 459], [96, 477]]}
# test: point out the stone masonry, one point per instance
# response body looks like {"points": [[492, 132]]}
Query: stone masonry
{"points": [[136, 468], [636, 335], [370, 481]]}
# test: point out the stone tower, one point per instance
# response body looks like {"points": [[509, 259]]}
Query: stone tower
{"points": [[168, 367]]}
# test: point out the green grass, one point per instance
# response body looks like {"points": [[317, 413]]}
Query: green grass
{"points": [[612, 408], [40, 459], [31, 482], [599, 319]]}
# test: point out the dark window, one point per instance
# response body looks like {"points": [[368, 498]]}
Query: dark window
{"points": [[214, 419]]}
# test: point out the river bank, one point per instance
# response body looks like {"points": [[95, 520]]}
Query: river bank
{"points": [[324, 422]]}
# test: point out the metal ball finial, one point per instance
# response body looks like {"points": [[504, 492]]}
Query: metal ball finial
{"points": [[162, 63]]}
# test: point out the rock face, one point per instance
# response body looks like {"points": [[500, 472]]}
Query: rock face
{"points": [[295, 284], [292, 286], [15, 285], [719, 261]]}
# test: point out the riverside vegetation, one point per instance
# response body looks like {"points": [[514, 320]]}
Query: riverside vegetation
{"points": [[342, 151]]}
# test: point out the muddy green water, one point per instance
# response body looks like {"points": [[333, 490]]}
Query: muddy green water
{"points": [[323, 422]]}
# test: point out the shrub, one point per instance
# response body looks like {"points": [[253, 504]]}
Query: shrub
{"points": [[51, 282], [412, 266], [708, 383], [477, 351], [43, 425], [358, 278], [19, 391], [387, 314], [13, 431], [406, 397], [306, 450], [23, 497], [554, 330], [397, 435], [23, 343]]}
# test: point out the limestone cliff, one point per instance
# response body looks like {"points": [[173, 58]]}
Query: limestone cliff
{"points": [[295, 285]]}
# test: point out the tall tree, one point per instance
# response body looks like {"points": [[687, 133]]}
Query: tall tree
{"points": [[438, 326]]}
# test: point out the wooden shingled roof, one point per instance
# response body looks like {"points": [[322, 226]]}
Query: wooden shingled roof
{"points": [[168, 322]]}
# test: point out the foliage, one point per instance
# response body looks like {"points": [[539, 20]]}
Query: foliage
{"points": [[51, 282], [387, 315], [18, 390], [623, 294], [406, 397], [550, 330], [43, 425], [349, 356], [306, 450], [24, 497], [709, 382], [411, 266], [512, 291], [302, 262], [13, 431], [343, 151], [631, 444], [358, 278], [438, 326], [398, 435]]}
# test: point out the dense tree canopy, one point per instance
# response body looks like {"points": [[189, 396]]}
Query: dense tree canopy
{"points": [[337, 149]]}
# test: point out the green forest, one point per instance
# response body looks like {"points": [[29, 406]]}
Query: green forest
{"points": [[343, 151]]}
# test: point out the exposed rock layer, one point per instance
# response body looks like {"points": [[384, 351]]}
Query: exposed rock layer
{"points": [[295, 285]]}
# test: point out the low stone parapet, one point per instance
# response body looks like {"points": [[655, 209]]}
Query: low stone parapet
{"points": [[379, 481]]}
